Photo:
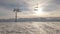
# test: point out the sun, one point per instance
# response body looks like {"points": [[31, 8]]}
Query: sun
{"points": [[38, 11]]}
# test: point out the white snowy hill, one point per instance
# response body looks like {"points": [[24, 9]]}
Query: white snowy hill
{"points": [[30, 28]]}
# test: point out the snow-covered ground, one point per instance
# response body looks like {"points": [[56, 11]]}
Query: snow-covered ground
{"points": [[30, 28]]}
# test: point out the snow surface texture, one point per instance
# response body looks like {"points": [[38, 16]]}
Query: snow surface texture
{"points": [[30, 28]]}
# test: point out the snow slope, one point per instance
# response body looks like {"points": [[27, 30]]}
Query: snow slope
{"points": [[30, 28]]}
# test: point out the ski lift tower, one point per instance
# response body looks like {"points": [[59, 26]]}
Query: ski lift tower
{"points": [[36, 7], [16, 10]]}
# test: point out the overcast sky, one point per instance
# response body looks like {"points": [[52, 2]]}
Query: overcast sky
{"points": [[52, 7]]}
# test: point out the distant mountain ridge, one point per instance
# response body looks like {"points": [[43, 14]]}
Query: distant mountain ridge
{"points": [[40, 19]]}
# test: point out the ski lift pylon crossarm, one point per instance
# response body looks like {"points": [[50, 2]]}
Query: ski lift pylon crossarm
{"points": [[17, 10]]}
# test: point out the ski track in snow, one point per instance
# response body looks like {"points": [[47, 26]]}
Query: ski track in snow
{"points": [[30, 28]]}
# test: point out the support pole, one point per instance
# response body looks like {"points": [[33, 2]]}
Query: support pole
{"points": [[15, 16]]}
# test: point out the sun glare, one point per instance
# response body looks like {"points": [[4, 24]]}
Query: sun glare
{"points": [[39, 11]]}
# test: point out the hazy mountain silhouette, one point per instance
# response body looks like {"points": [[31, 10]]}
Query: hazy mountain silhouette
{"points": [[40, 19]]}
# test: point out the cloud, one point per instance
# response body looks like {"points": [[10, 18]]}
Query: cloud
{"points": [[52, 5], [27, 6], [6, 7], [15, 4]]}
